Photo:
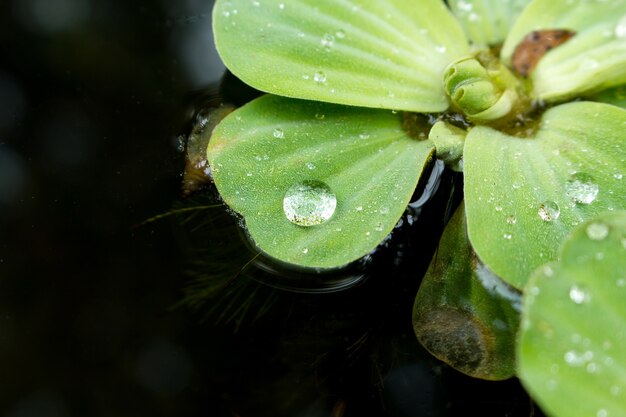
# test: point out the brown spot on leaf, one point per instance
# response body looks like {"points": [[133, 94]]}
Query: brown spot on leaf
{"points": [[535, 45], [454, 337]]}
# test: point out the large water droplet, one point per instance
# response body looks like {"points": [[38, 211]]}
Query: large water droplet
{"points": [[309, 203], [581, 188], [597, 231], [549, 211]]}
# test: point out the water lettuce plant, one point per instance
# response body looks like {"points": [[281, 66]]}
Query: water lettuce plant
{"points": [[526, 98]]}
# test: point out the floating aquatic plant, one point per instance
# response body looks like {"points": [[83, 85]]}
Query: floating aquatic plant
{"points": [[526, 98]]}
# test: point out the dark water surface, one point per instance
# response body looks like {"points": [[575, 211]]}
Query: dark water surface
{"points": [[102, 318]]}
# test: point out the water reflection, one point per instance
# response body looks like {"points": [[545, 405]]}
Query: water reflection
{"points": [[13, 177], [12, 102], [51, 16], [192, 41]]}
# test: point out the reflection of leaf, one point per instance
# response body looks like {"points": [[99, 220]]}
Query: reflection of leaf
{"points": [[387, 54], [572, 347], [370, 164], [593, 59], [487, 22], [463, 314], [523, 195]]}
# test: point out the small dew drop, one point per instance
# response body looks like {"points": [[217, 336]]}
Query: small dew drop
{"points": [[327, 41], [310, 165], [441, 49], [319, 77], [359, 208], [597, 231], [256, 3], [498, 208], [281, 6], [549, 211], [507, 236], [618, 176], [511, 219], [578, 295], [615, 390], [602, 413], [340, 34], [305, 250], [309, 203], [581, 188], [620, 28], [319, 116], [278, 133], [364, 135]]}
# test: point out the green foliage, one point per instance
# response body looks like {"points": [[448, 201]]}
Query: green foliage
{"points": [[524, 195], [364, 156], [572, 347], [463, 313], [592, 60], [385, 54], [321, 184], [487, 22]]}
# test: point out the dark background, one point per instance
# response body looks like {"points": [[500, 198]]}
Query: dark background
{"points": [[94, 98]]}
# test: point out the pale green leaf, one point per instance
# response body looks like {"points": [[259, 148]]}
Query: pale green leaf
{"points": [[523, 195], [572, 346], [595, 58], [487, 22], [384, 54], [370, 164], [463, 313]]}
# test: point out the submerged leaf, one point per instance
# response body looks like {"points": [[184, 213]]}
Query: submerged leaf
{"points": [[572, 347], [463, 313], [569, 170], [487, 22], [387, 54], [318, 185], [593, 59]]}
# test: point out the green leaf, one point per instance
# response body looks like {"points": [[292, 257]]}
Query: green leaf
{"points": [[524, 195], [463, 313], [387, 54], [449, 141], [487, 22], [370, 164], [572, 346], [615, 96], [593, 59]]}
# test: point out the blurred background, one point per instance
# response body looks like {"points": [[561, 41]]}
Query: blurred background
{"points": [[101, 315]]}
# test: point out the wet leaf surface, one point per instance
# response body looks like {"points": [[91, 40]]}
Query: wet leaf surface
{"points": [[572, 347], [524, 195], [376, 54], [318, 185]]}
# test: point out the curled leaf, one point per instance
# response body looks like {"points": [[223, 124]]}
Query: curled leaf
{"points": [[592, 60], [463, 313]]}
